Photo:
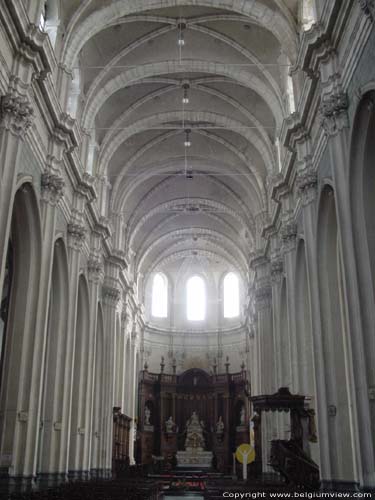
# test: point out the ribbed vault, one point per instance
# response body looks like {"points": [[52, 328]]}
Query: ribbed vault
{"points": [[179, 203]]}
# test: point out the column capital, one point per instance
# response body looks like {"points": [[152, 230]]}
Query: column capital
{"points": [[263, 295], [76, 231], [368, 7], [288, 235], [334, 112], [95, 268], [111, 295], [16, 113], [52, 185], [277, 270], [307, 184]]}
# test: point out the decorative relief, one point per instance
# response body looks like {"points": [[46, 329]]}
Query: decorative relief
{"points": [[333, 110], [307, 182], [16, 113], [52, 187]]}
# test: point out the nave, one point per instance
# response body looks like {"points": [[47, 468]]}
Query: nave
{"points": [[187, 245]]}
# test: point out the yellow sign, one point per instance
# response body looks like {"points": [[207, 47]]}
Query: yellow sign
{"points": [[245, 453]]}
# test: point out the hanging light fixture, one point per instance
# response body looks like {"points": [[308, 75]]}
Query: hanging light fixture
{"points": [[181, 39], [187, 142], [185, 98]]}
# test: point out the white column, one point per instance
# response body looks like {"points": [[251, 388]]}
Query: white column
{"points": [[111, 297]]}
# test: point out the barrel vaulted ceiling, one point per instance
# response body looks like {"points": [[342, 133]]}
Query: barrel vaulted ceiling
{"points": [[179, 201]]}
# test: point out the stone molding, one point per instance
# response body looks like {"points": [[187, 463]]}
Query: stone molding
{"points": [[334, 112], [16, 113], [52, 187]]}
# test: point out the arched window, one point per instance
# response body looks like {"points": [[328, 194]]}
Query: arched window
{"points": [[43, 17], [231, 296], [195, 299], [159, 308], [308, 14]]}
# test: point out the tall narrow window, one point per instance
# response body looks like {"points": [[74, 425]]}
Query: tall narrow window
{"points": [[195, 299], [231, 296], [159, 307], [43, 17]]}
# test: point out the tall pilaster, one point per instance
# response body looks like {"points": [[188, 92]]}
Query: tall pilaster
{"points": [[96, 276], [111, 298], [76, 239]]}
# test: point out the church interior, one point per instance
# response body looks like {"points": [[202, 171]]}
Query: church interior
{"points": [[187, 248]]}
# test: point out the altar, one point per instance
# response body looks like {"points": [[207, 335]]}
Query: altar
{"points": [[195, 454]]}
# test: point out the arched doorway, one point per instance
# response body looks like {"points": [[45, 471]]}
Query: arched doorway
{"points": [[333, 319], [19, 317], [362, 177]]}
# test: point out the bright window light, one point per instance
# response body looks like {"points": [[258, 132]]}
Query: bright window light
{"points": [[231, 296], [196, 299], [42, 19], [159, 296]]}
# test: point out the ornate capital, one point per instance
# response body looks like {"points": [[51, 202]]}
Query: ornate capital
{"points": [[76, 231], [368, 7], [111, 295], [277, 270], [307, 182], [263, 296], [16, 113], [52, 187], [334, 112], [288, 235], [95, 268]]}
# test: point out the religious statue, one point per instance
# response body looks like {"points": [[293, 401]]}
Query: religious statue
{"points": [[147, 415], [169, 425], [242, 416], [194, 433], [220, 426]]}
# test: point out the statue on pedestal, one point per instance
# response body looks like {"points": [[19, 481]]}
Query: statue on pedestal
{"points": [[220, 426], [147, 415], [170, 425], [194, 433], [242, 416]]}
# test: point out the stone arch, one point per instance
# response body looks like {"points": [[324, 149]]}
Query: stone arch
{"points": [[80, 381], [362, 176], [20, 336], [52, 398], [334, 332]]}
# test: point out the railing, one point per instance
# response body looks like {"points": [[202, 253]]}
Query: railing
{"points": [[290, 461]]}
